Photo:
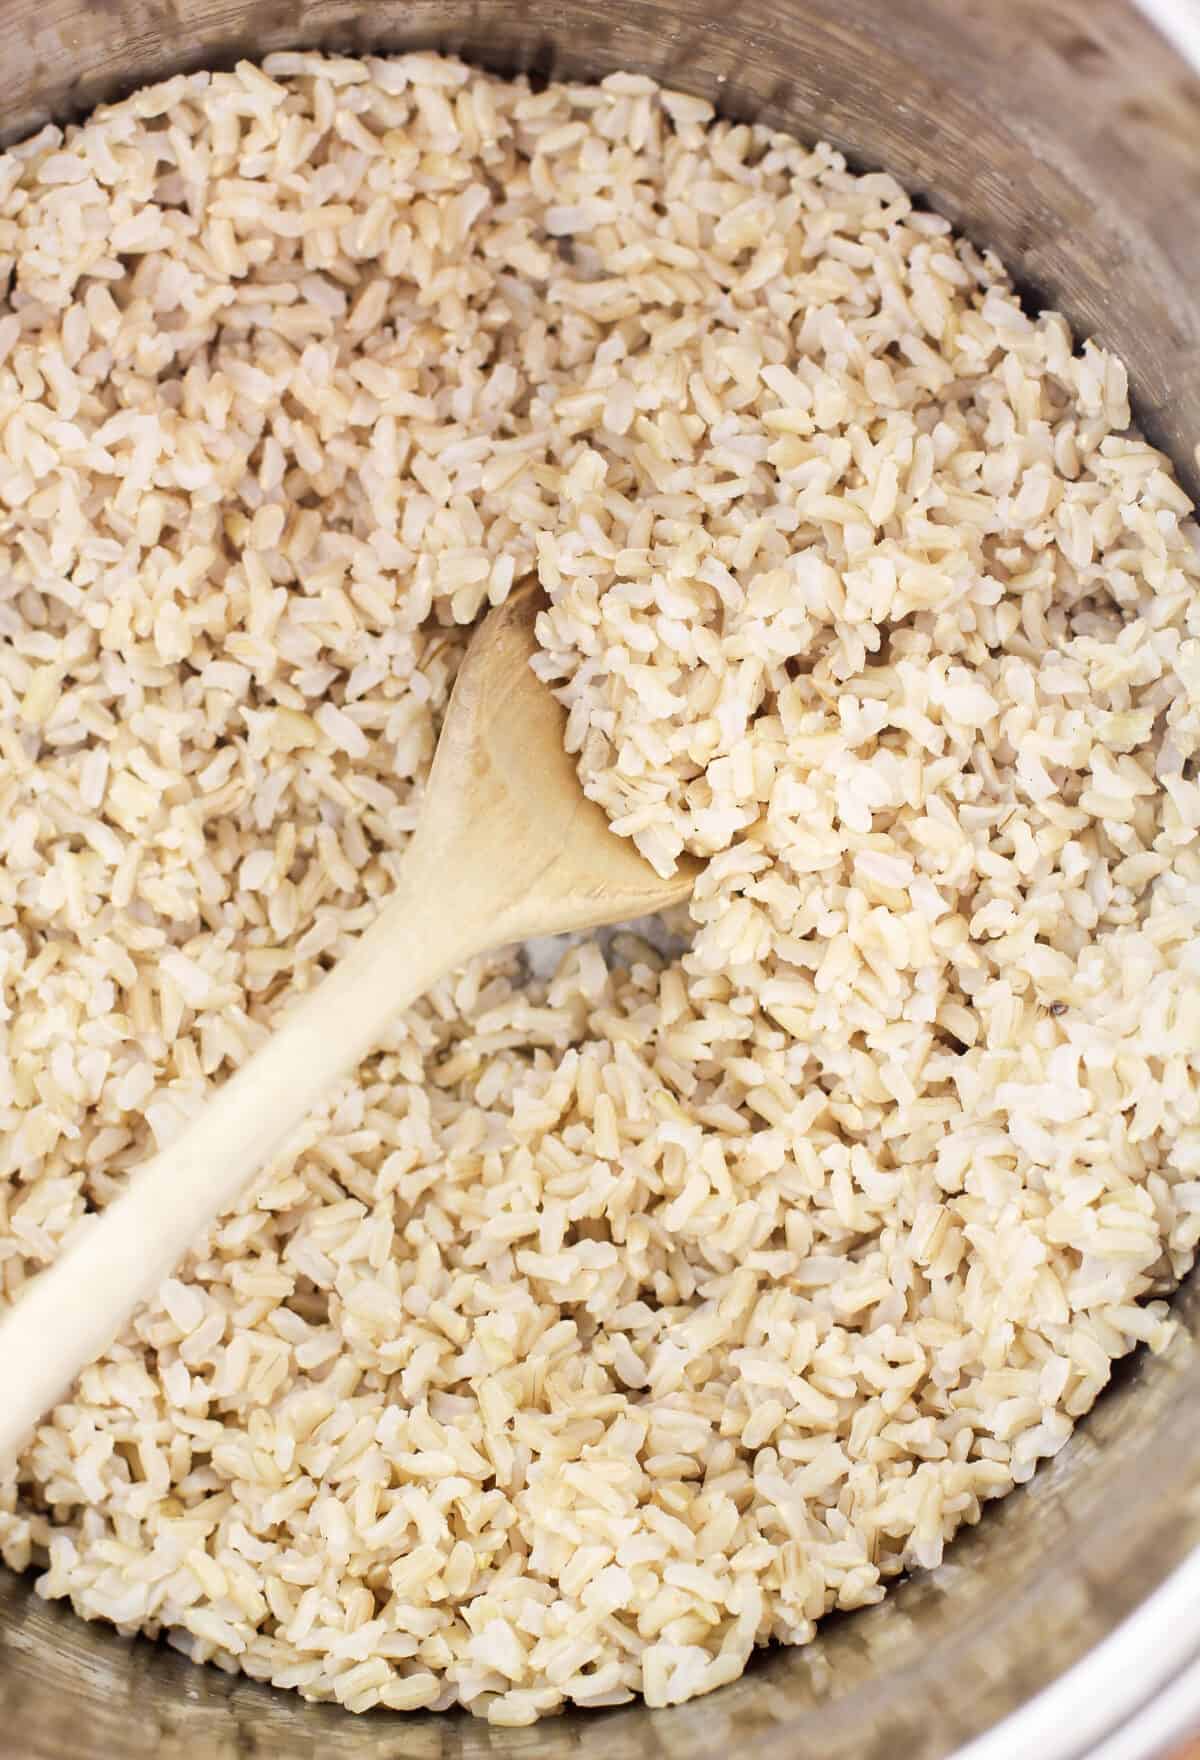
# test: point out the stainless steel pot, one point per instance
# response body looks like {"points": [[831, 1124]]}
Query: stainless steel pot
{"points": [[1067, 134]]}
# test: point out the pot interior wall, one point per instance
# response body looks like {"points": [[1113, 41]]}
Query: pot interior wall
{"points": [[1068, 136]]}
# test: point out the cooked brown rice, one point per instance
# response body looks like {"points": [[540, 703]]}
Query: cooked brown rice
{"points": [[615, 1321]]}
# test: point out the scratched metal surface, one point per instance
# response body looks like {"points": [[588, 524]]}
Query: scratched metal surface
{"points": [[1066, 133]]}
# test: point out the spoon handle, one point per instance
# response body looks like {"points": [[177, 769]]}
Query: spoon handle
{"points": [[72, 1311]]}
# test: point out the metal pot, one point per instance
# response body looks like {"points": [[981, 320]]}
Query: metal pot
{"points": [[1067, 134]]}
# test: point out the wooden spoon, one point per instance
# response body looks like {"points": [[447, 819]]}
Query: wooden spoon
{"points": [[507, 847]]}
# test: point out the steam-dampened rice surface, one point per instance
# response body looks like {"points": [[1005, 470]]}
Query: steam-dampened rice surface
{"points": [[607, 1326]]}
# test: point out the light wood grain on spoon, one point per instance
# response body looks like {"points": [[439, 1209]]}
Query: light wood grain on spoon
{"points": [[507, 847]]}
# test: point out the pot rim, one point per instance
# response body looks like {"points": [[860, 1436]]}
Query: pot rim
{"points": [[1129, 1698], [1134, 1695]]}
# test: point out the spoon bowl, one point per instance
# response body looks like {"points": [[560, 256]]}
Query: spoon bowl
{"points": [[504, 792]]}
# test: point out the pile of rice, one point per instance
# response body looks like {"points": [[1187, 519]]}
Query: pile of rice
{"points": [[610, 1323]]}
